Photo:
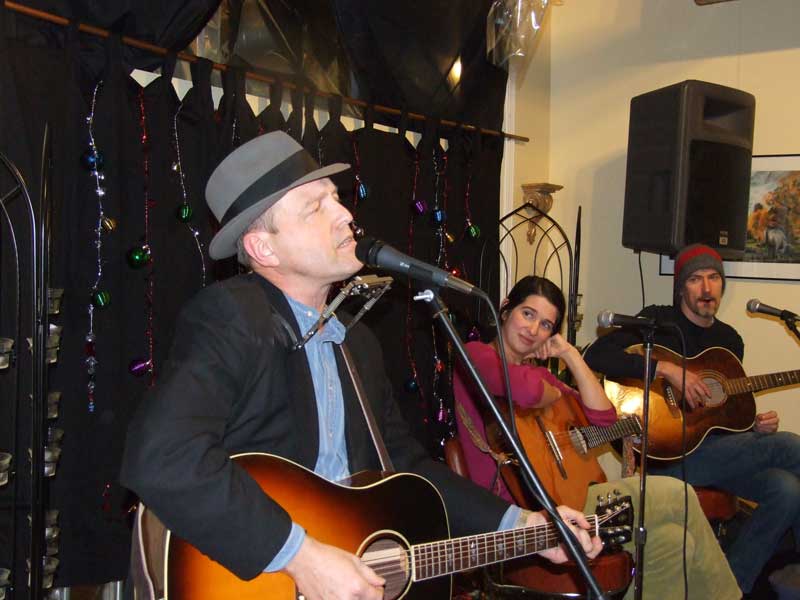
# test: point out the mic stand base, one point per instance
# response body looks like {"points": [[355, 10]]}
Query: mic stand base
{"points": [[440, 312]]}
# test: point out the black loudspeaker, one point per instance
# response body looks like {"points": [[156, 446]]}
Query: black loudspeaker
{"points": [[690, 147]]}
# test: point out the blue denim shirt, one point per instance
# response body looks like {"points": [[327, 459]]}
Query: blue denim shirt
{"points": [[332, 460]]}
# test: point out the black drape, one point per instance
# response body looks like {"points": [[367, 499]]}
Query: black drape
{"points": [[53, 83]]}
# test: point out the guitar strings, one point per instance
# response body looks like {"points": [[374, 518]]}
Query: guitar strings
{"points": [[545, 533]]}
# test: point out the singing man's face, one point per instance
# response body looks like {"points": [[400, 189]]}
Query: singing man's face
{"points": [[313, 239], [701, 295]]}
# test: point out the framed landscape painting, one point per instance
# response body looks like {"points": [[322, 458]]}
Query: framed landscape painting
{"points": [[773, 222]]}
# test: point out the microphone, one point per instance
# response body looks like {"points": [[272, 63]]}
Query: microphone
{"points": [[611, 319], [755, 306], [375, 253]]}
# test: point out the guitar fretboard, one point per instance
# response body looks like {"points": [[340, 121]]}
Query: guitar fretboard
{"points": [[595, 436], [453, 556], [757, 383]]}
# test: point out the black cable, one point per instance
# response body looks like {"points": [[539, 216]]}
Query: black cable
{"points": [[641, 276]]}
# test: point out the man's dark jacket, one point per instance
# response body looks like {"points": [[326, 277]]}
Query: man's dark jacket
{"points": [[232, 384]]}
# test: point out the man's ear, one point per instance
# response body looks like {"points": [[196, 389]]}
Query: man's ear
{"points": [[258, 247]]}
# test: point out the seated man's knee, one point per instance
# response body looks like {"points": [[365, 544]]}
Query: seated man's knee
{"points": [[780, 487]]}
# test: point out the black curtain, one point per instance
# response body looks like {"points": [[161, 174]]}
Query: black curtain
{"points": [[54, 82]]}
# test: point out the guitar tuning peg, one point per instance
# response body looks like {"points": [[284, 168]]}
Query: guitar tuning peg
{"points": [[617, 493], [600, 498]]}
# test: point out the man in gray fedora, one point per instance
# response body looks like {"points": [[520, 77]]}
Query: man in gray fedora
{"points": [[234, 384]]}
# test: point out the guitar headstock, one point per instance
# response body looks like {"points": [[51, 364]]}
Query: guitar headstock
{"points": [[615, 518]]}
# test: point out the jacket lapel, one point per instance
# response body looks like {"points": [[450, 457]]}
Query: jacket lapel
{"points": [[303, 405]]}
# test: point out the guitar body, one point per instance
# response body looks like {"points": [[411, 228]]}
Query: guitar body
{"points": [[537, 576], [726, 411], [581, 469], [400, 509]]}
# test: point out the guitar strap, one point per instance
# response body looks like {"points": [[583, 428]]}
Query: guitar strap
{"points": [[501, 458], [372, 425]]}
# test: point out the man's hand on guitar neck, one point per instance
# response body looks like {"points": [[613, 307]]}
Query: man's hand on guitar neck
{"points": [[321, 572], [696, 389], [577, 522]]}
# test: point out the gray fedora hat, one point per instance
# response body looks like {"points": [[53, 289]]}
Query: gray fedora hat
{"points": [[254, 177]]}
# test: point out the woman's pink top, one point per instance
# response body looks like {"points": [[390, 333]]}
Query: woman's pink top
{"points": [[527, 386]]}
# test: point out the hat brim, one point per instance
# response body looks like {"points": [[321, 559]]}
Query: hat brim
{"points": [[224, 243]]}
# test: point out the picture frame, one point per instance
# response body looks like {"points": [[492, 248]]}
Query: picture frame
{"points": [[773, 222]]}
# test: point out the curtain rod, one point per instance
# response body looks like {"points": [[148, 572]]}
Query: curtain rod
{"points": [[136, 43]]}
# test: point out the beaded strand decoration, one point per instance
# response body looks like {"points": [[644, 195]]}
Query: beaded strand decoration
{"points": [[418, 208], [185, 213], [94, 162], [141, 255]]}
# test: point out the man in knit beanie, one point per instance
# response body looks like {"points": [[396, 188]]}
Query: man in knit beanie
{"points": [[693, 258], [761, 465]]}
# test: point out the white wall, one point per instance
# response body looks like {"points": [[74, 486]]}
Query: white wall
{"points": [[601, 54]]}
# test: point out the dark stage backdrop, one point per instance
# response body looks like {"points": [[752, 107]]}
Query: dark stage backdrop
{"points": [[53, 82]]}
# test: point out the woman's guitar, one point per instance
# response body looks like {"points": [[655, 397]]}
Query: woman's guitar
{"points": [[730, 408], [561, 443], [397, 525]]}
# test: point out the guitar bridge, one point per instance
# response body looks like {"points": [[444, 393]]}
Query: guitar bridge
{"points": [[551, 442], [669, 394]]}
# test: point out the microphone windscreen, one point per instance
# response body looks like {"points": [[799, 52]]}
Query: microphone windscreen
{"points": [[363, 246], [605, 319], [752, 305]]}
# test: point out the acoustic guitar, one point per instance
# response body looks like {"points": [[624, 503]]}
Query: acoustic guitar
{"points": [[730, 408], [397, 525], [562, 446]]}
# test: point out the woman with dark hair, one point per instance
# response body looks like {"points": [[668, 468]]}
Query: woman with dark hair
{"points": [[531, 318]]}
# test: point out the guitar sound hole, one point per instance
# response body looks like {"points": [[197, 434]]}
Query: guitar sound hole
{"points": [[390, 560], [718, 396]]}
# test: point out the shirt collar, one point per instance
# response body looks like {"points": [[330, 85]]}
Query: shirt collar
{"points": [[334, 331]]}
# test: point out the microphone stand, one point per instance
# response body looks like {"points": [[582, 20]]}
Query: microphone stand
{"points": [[791, 324], [441, 312], [641, 532]]}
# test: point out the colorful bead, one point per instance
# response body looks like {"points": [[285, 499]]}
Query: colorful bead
{"points": [[138, 256], [474, 334], [362, 191], [420, 207], [101, 298], [184, 213], [139, 367], [449, 237], [438, 216], [473, 230], [108, 224], [411, 385], [92, 160]]}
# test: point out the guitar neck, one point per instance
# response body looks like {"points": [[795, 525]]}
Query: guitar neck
{"points": [[758, 383], [460, 554], [595, 436]]}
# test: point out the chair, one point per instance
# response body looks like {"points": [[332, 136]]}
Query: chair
{"points": [[535, 577], [718, 506]]}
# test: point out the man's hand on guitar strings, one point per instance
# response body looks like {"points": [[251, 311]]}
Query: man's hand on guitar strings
{"points": [[579, 526], [696, 389], [767, 422], [323, 572]]}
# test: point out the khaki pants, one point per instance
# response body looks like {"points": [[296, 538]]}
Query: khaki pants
{"points": [[707, 568]]}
